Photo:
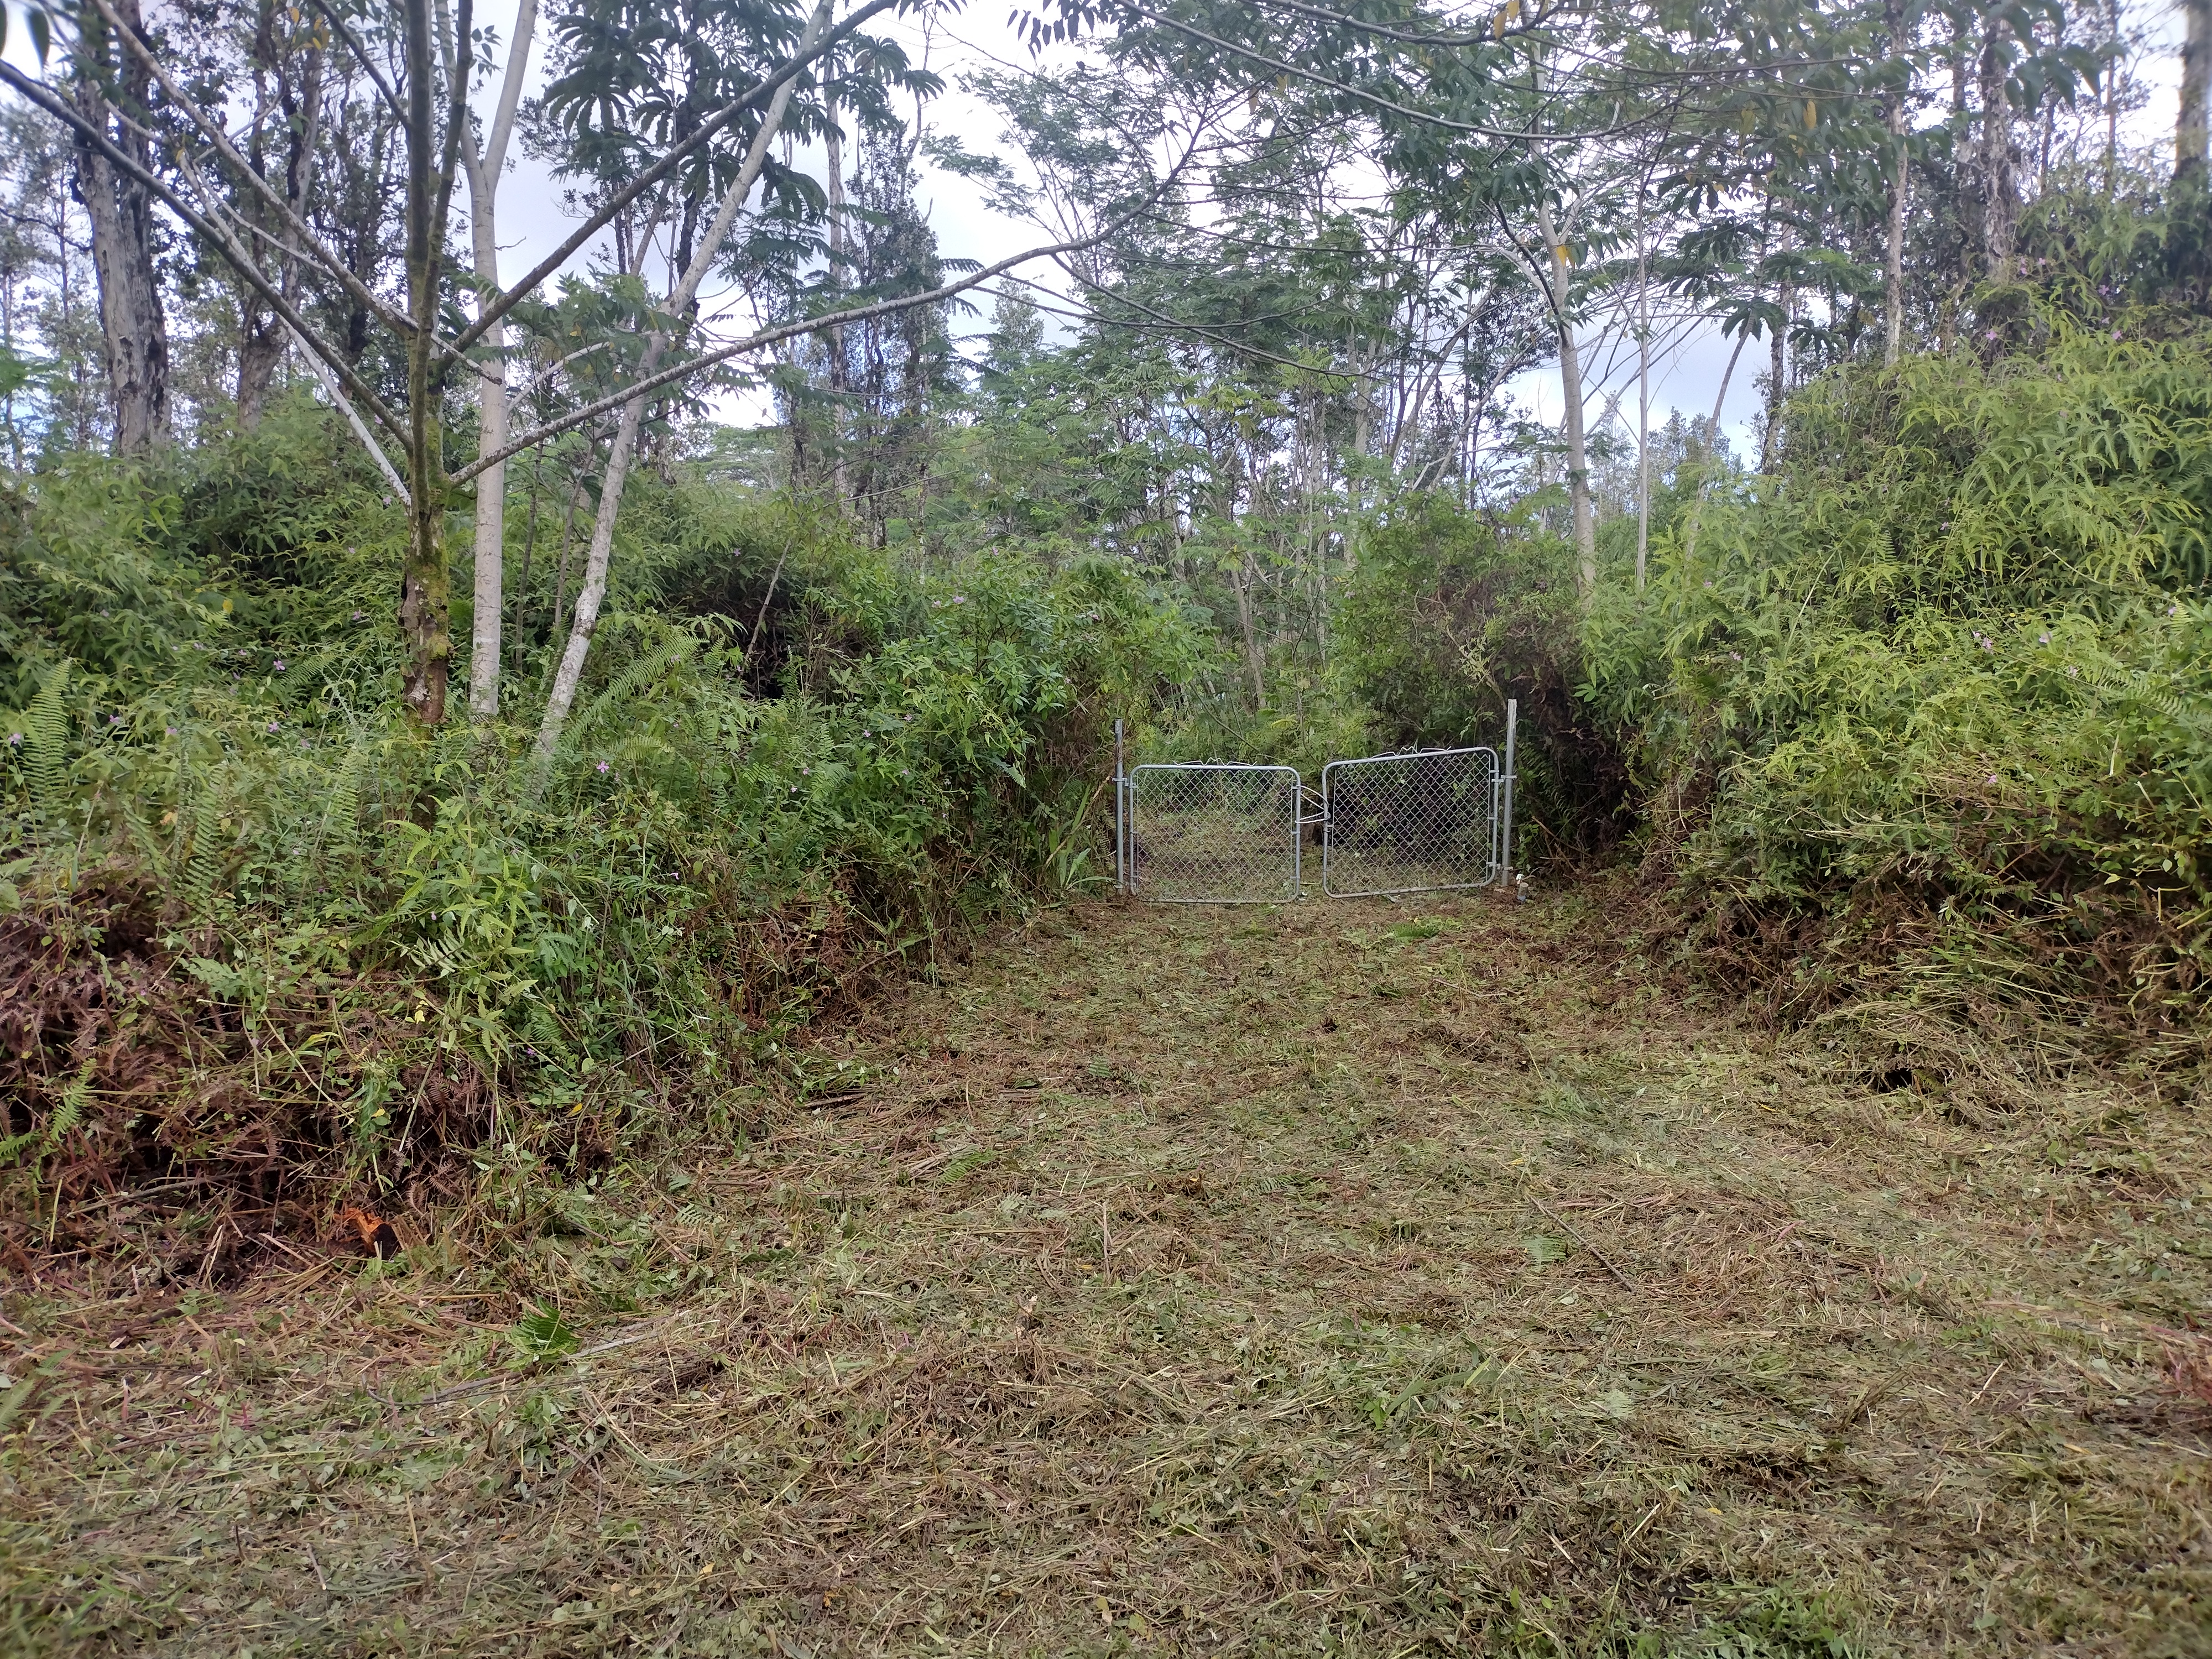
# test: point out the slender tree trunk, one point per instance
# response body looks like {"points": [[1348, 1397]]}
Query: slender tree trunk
{"points": [[2112, 101], [840, 272], [570, 673], [1712, 448], [1892, 261], [425, 584], [2000, 197], [1570, 392], [134, 334], [1642, 400], [1777, 369], [484, 169], [264, 336], [561, 581], [529, 543], [2189, 129], [1240, 583]]}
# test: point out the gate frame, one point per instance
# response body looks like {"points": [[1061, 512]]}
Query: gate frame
{"points": [[1491, 867], [1133, 876], [1501, 816]]}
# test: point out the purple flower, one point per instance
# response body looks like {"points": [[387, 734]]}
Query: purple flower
{"points": [[358, 615], [603, 766], [1992, 335], [171, 730], [272, 725], [14, 739], [1993, 777], [115, 720], [2042, 639], [280, 665], [2115, 334]]}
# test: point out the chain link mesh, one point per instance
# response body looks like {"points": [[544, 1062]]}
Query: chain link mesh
{"points": [[1214, 835], [1405, 823]]}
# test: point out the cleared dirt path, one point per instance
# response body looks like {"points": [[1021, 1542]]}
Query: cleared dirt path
{"points": [[1359, 1279]]}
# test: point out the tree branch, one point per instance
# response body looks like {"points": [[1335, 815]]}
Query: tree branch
{"points": [[217, 236], [771, 336], [360, 54], [1478, 128], [213, 131], [659, 170]]}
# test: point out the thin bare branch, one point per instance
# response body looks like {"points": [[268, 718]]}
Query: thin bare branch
{"points": [[607, 211], [212, 130], [361, 56], [217, 237], [769, 337]]}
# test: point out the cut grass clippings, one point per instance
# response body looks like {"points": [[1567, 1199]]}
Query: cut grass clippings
{"points": [[1348, 1278]]}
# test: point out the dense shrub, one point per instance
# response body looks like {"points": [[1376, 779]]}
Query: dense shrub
{"points": [[1935, 702], [407, 942], [1448, 615]]}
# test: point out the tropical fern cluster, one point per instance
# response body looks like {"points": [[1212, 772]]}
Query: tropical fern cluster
{"points": [[1954, 661]]}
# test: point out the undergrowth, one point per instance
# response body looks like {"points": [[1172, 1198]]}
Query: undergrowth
{"points": [[267, 947], [1927, 715]]}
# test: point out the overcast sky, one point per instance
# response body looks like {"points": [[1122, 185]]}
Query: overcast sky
{"points": [[1687, 377]]}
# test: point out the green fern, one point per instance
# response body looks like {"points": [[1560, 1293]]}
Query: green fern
{"points": [[339, 835], [46, 741]]}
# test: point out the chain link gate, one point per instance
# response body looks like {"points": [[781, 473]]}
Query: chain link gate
{"points": [[1218, 833], [1214, 834], [1410, 824]]}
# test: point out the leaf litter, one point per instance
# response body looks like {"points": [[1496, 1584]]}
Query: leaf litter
{"points": [[1355, 1279]]}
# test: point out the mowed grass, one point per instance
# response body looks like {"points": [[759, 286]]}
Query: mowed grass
{"points": [[1343, 1279]]}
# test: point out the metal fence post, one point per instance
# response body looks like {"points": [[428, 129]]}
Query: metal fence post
{"points": [[1505, 817], [1120, 789]]}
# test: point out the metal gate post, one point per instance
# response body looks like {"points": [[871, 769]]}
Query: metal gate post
{"points": [[1505, 817], [1120, 789]]}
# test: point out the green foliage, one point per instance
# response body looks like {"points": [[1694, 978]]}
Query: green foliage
{"points": [[698, 871], [1954, 662], [1448, 615]]}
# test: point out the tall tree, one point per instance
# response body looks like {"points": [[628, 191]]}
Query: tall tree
{"points": [[2189, 132], [485, 160], [109, 87]]}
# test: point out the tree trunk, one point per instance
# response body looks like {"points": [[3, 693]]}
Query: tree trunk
{"points": [[2000, 199], [1777, 367], [263, 336], [570, 673], [1893, 262], [135, 336], [1241, 585], [425, 587], [2189, 130], [484, 169], [833, 145], [1571, 391], [1642, 400]]}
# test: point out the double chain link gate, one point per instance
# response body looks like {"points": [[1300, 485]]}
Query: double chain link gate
{"points": [[1218, 833]]}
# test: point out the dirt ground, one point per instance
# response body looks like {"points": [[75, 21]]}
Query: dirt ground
{"points": [[1360, 1278]]}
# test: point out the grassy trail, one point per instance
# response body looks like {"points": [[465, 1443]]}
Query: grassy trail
{"points": [[1353, 1279]]}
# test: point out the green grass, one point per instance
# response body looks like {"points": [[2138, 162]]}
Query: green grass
{"points": [[1348, 1278]]}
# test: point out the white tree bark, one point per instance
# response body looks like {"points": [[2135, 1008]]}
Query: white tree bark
{"points": [[484, 168], [594, 593], [1570, 390]]}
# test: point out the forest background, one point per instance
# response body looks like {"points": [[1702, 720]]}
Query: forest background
{"points": [[1905, 712]]}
